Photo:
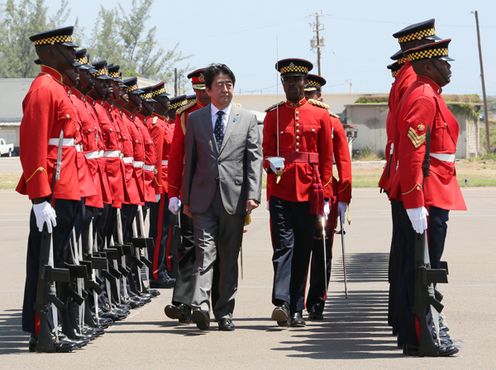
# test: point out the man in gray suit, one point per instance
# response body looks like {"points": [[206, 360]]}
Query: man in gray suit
{"points": [[221, 185]]}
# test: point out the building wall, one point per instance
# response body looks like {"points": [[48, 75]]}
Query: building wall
{"points": [[370, 120]]}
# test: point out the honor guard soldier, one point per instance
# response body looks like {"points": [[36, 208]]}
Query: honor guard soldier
{"points": [[175, 103], [180, 308], [410, 36], [320, 271], [161, 132], [48, 133], [425, 182], [297, 147]]}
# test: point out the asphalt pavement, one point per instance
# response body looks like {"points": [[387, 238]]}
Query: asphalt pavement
{"points": [[353, 335]]}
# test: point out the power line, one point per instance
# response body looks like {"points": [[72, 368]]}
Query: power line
{"points": [[317, 42]]}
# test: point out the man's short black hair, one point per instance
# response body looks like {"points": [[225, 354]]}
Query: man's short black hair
{"points": [[214, 70]]}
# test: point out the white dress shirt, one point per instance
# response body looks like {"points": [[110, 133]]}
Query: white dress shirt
{"points": [[225, 116]]}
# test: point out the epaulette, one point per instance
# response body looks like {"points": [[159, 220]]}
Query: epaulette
{"points": [[272, 107], [184, 108], [318, 104]]}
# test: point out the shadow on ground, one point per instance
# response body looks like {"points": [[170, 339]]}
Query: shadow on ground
{"points": [[355, 327], [12, 338]]}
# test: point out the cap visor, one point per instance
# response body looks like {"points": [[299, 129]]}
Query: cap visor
{"points": [[104, 77], [70, 44], [446, 59]]}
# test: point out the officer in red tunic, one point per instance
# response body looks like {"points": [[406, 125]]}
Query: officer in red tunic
{"points": [[159, 213], [425, 181], [297, 147], [181, 299], [410, 36], [336, 206], [47, 111]]}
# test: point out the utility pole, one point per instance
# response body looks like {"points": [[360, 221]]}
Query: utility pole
{"points": [[484, 97], [317, 42], [175, 82]]}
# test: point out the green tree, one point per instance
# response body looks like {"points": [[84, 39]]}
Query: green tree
{"points": [[122, 37], [19, 20]]}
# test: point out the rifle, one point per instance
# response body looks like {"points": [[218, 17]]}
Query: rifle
{"points": [[426, 298], [345, 277], [46, 294]]}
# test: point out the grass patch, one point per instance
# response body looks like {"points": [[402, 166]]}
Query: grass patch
{"points": [[470, 173]]}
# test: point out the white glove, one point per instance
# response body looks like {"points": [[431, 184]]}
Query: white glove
{"points": [[327, 209], [276, 164], [157, 198], [418, 218], [174, 205], [342, 207], [44, 213]]}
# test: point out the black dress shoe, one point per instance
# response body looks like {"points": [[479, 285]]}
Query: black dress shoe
{"points": [[315, 313], [201, 318], [163, 283], [448, 349], [226, 324], [181, 312], [281, 314], [296, 320]]}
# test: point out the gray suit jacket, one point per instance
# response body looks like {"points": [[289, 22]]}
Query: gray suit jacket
{"points": [[236, 167]]}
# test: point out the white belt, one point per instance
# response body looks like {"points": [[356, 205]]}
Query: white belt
{"points": [[148, 167], [112, 153], [165, 162], [138, 164], [391, 149], [79, 148], [127, 160], [65, 142], [93, 155], [444, 157]]}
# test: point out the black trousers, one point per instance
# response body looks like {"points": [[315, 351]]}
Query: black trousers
{"points": [[66, 211], [436, 234], [292, 230], [393, 271], [159, 227], [317, 291]]}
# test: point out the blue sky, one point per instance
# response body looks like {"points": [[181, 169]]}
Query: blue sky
{"points": [[250, 36]]}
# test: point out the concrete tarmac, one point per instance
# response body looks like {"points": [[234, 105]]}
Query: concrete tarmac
{"points": [[354, 333]]}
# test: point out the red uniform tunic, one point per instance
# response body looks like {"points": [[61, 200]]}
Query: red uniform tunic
{"points": [[94, 147], [47, 110], [304, 141], [150, 159], [406, 76], [169, 127], [156, 127], [342, 160], [134, 176], [176, 153], [90, 184], [422, 108], [139, 153], [127, 145], [112, 154]]}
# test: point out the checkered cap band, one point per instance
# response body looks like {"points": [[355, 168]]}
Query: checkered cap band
{"points": [[54, 40], [294, 69], [147, 95], [159, 92], [313, 84], [132, 88], [419, 35], [101, 72], [402, 60], [83, 60], [114, 74], [395, 73], [178, 104], [427, 54]]}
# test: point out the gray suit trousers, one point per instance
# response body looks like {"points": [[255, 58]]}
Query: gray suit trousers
{"points": [[218, 238]]}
